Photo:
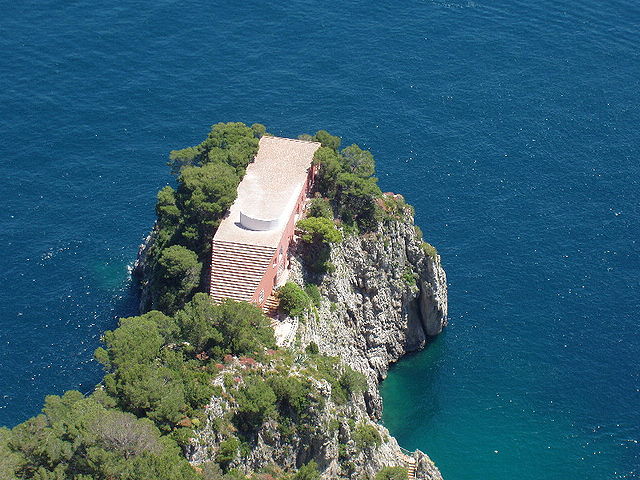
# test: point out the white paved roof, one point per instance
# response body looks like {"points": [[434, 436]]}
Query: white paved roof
{"points": [[269, 190]]}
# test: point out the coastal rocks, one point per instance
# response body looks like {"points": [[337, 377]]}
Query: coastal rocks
{"points": [[385, 298], [143, 272], [340, 437]]}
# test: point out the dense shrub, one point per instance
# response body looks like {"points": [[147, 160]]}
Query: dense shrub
{"points": [[327, 140], [308, 472], [366, 436], [320, 207], [392, 473], [346, 179], [318, 230], [177, 275], [314, 294], [293, 299], [292, 394], [312, 348], [353, 382], [256, 401], [227, 451]]}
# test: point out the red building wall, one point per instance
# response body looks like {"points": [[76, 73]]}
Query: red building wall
{"points": [[280, 258]]}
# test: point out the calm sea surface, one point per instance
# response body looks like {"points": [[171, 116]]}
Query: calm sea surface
{"points": [[512, 126]]}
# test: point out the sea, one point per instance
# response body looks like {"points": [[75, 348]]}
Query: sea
{"points": [[512, 126]]}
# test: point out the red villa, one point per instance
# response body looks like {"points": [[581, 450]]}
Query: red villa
{"points": [[249, 255]]}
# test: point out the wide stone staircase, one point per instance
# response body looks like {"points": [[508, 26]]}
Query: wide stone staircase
{"points": [[270, 307], [237, 269]]}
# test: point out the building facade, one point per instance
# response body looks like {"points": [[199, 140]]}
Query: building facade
{"points": [[250, 248]]}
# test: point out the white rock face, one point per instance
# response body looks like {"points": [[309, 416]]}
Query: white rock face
{"points": [[385, 297]]}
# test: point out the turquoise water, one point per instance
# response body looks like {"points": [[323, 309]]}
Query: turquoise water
{"points": [[511, 126]]}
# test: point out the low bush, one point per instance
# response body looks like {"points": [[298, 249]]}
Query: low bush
{"points": [[366, 436], [392, 473]]}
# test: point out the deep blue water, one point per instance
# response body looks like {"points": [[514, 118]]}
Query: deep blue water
{"points": [[511, 126]]}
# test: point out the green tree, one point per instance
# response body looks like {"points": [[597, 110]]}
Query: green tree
{"points": [[258, 130], [319, 230], [328, 140], [229, 327], [320, 207], [329, 167], [356, 197], [177, 276], [308, 472], [244, 327], [221, 140], [10, 461], [137, 340], [392, 473], [293, 394], [293, 299], [166, 210], [366, 436], [196, 323], [227, 451], [204, 194], [185, 157], [256, 401], [359, 162], [77, 437]]}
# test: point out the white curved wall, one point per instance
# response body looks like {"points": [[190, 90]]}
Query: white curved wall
{"points": [[257, 224]]}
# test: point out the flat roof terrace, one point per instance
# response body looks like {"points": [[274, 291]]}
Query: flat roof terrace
{"points": [[268, 192]]}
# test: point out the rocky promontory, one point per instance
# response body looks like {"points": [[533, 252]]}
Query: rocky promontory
{"points": [[385, 296]]}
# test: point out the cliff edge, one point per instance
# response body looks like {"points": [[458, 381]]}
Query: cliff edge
{"points": [[384, 299]]}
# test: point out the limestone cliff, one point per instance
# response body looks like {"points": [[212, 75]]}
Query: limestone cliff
{"points": [[384, 299], [385, 296]]}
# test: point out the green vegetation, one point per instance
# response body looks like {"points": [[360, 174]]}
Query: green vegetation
{"points": [[177, 275], [317, 230], [314, 294], [308, 472], [429, 249], [392, 473], [293, 299], [345, 382], [82, 438], [409, 277], [312, 348], [346, 179], [366, 436], [320, 207], [208, 175], [227, 451], [256, 401]]}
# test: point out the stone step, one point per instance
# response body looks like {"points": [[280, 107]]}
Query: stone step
{"points": [[237, 269]]}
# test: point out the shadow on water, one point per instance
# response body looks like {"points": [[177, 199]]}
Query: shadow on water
{"points": [[412, 389]]}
